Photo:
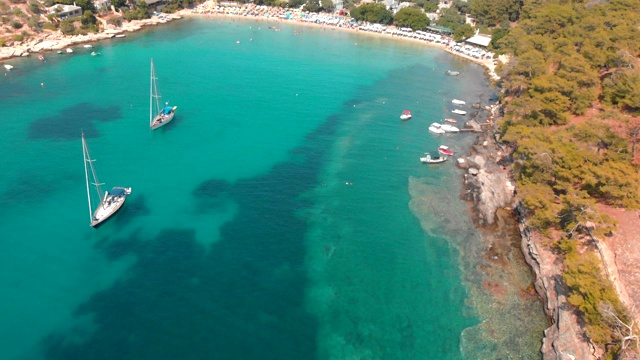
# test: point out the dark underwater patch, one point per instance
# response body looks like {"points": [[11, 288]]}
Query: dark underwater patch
{"points": [[69, 122]]}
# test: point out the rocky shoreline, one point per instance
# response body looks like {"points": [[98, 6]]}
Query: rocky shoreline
{"points": [[50, 41], [488, 187]]}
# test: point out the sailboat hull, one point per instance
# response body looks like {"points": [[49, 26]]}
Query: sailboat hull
{"points": [[110, 205], [162, 120]]}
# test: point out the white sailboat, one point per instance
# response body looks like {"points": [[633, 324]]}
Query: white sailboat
{"points": [[110, 201], [158, 115]]}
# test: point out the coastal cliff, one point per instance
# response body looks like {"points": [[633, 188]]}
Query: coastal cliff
{"points": [[488, 187]]}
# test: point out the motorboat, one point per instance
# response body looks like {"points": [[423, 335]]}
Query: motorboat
{"points": [[449, 128], [457, 102], [450, 120], [88, 46], [69, 51], [40, 57], [93, 53], [459, 112], [406, 115], [444, 150], [8, 67], [436, 128], [452, 73], [428, 159]]}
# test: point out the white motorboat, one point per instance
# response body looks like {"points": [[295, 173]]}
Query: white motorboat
{"points": [[459, 112], [69, 51], [436, 128], [428, 159], [457, 102], [452, 73], [449, 128], [8, 67], [88, 46], [406, 115]]}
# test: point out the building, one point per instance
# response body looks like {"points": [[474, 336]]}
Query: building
{"points": [[65, 11], [102, 4], [479, 40]]}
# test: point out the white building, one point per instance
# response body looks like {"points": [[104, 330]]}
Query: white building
{"points": [[65, 11]]}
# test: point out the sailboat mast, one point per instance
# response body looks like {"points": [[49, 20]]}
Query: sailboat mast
{"points": [[154, 93], [86, 176], [96, 182], [151, 95]]}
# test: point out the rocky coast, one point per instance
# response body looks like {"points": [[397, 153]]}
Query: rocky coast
{"points": [[50, 41], [490, 189]]}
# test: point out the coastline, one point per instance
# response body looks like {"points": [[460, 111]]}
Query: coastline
{"points": [[52, 41]]}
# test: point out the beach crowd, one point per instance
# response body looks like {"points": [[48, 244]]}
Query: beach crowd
{"points": [[473, 53]]}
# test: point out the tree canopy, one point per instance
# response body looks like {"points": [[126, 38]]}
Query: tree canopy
{"points": [[372, 12], [411, 17]]}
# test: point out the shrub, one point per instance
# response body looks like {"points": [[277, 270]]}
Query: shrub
{"points": [[50, 26], [67, 27], [16, 25]]}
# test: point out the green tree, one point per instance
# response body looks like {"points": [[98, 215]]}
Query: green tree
{"points": [[327, 5], [118, 3], [450, 18], [463, 32], [312, 5], [430, 6], [373, 12], [622, 88], [67, 27], [34, 7], [88, 18], [411, 17]]}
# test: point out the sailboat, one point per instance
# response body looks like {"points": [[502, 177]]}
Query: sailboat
{"points": [[158, 116], [110, 201]]}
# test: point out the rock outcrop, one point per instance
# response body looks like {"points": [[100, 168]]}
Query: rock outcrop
{"points": [[489, 187], [56, 41]]}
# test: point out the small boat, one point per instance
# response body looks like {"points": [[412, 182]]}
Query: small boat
{"points": [[159, 116], [457, 102], [449, 128], [459, 112], [436, 128], [40, 57], [452, 73], [93, 53], [428, 159], [110, 201], [8, 67], [121, 35], [59, 51], [406, 115], [69, 51], [88, 46], [450, 120], [444, 150]]}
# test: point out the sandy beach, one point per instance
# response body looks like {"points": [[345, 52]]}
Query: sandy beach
{"points": [[279, 15], [52, 41]]}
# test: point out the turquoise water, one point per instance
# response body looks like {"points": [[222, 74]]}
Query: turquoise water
{"points": [[283, 214]]}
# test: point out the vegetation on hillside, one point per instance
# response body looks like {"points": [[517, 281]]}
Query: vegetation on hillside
{"points": [[570, 61]]}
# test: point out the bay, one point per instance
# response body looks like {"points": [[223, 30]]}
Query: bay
{"points": [[281, 215]]}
